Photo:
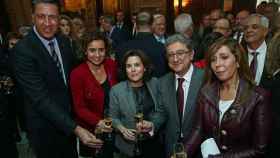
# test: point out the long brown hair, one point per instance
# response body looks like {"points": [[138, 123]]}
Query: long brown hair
{"points": [[238, 51]]}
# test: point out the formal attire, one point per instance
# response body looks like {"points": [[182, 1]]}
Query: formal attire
{"points": [[176, 129], [44, 82], [90, 98], [125, 102], [240, 127], [117, 37], [146, 42]]}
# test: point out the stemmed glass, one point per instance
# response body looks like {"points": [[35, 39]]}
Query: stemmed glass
{"points": [[108, 123], [99, 135], [179, 151], [139, 117]]}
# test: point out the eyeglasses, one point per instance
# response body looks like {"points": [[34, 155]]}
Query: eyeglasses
{"points": [[46, 17], [179, 53]]}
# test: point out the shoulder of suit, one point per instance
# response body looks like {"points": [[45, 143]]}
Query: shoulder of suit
{"points": [[119, 86]]}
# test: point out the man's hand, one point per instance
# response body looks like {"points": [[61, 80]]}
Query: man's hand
{"points": [[87, 138]]}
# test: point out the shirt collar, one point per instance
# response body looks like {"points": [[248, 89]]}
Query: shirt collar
{"points": [[187, 76], [260, 49]]}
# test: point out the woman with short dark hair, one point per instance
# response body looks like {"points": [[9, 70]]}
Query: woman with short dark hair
{"points": [[90, 83], [138, 94]]}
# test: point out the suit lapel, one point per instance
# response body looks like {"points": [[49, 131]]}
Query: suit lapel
{"points": [[172, 97], [131, 104], [63, 51], [191, 98]]}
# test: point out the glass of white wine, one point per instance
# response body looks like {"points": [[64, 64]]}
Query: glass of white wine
{"points": [[179, 151]]}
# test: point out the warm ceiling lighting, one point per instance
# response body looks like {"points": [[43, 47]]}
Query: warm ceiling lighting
{"points": [[184, 3]]}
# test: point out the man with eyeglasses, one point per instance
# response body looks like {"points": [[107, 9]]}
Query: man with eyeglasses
{"points": [[178, 90], [42, 61]]}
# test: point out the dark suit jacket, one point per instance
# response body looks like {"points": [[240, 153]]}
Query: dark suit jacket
{"points": [[152, 48], [47, 99], [169, 101], [118, 37]]}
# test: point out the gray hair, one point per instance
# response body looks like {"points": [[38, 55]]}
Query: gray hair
{"points": [[263, 20], [183, 22], [178, 38]]}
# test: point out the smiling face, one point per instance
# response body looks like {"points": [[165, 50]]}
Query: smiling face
{"points": [[135, 70], [254, 32], [158, 26], [179, 58], [45, 19], [96, 52], [224, 65]]}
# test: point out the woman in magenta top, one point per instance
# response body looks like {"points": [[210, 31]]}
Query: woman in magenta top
{"points": [[90, 85]]}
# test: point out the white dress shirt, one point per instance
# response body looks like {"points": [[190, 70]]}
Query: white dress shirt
{"points": [[186, 85], [261, 60]]}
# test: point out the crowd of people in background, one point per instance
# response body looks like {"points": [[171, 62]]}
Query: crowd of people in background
{"points": [[132, 89]]}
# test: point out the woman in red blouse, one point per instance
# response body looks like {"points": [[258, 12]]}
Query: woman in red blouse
{"points": [[90, 85]]}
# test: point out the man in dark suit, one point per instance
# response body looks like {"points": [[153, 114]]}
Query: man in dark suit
{"points": [[255, 32], [116, 35], [42, 63], [178, 93], [159, 28], [146, 42]]}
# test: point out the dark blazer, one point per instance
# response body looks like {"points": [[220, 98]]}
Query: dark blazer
{"points": [[47, 98], [88, 94], [169, 101], [123, 109], [152, 48], [118, 37], [245, 129]]}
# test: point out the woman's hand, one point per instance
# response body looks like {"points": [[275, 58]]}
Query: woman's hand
{"points": [[144, 126], [107, 129], [128, 134]]}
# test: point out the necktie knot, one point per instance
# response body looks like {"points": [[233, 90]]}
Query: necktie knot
{"points": [[180, 81]]}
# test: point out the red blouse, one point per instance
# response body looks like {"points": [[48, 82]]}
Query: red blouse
{"points": [[88, 95]]}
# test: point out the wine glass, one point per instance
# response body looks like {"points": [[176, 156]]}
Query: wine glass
{"points": [[139, 118], [179, 151], [99, 135], [108, 123]]}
